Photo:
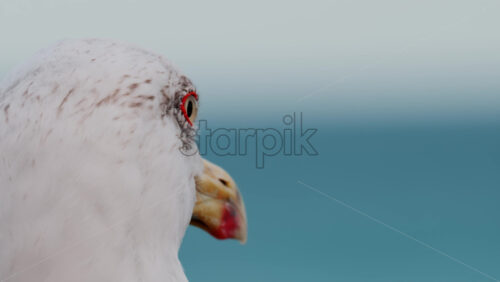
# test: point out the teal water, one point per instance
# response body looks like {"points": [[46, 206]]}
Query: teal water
{"points": [[437, 183]]}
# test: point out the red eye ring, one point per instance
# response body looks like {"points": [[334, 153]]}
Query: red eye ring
{"points": [[183, 108]]}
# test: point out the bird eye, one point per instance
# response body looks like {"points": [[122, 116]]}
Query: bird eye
{"points": [[189, 107]]}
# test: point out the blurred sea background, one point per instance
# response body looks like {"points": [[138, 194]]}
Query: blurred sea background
{"points": [[405, 96]]}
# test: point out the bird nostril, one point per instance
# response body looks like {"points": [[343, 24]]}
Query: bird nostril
{"points": [[224, 182]]}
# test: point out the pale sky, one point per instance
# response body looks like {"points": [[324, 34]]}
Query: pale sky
{"points": [[401, 56]]}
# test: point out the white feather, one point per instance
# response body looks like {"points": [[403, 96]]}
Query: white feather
{"points": [[93, 186]]}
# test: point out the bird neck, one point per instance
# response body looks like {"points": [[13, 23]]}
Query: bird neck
{"points": [[110, 222]]}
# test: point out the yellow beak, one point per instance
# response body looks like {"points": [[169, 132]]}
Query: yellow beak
{"points": [[219, 208]]}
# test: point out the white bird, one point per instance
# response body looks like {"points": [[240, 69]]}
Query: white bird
{"points": [[99, 174]]}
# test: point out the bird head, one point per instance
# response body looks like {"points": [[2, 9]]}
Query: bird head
{"points": [[98, 137]]}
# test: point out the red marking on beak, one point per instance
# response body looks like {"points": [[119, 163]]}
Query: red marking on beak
{"points": [[229, 223]]}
